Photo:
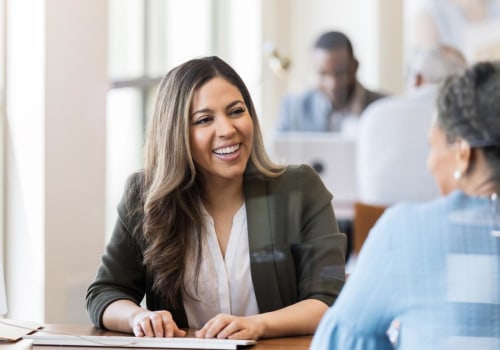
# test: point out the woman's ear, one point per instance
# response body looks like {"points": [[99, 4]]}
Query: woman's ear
{"points": [[463, 156]]}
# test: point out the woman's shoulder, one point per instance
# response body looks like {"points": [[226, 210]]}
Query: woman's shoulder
{"points": [[430, 207], [418, 216], [299, 174], [299, 169], [133, 193], [135, 183], [298, 178], [404, 210]]}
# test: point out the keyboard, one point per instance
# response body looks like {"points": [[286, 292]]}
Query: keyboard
{"points": [[137, 342]]}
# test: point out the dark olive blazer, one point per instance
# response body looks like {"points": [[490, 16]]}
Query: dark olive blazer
{"points": [[296, 250]]}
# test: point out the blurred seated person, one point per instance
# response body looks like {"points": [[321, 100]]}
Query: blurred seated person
{"points": [[338, 95], [392, 133], [428, 276], [455, 23]]}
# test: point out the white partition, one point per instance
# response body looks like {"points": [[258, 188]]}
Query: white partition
{"points": [[3, 296]]}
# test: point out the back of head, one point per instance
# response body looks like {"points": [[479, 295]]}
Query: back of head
{"points": [[334, 40], [469, 109], [435, 64]]}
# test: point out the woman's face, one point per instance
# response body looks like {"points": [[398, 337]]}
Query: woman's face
{"points": [[442, 160], [221, 131]]}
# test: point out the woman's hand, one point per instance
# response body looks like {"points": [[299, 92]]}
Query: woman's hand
{"points": [[297, 319], [225, 326], [147, 323]]}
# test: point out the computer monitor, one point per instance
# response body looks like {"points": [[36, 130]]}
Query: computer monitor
{"points": [[332, 155]]}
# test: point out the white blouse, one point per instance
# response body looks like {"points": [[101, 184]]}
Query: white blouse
{"points": [[224, 283]]}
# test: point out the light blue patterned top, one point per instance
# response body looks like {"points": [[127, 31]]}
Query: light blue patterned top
{"points": [[432, 268]]}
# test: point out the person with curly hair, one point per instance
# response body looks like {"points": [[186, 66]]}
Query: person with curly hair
{"points": [[216, 236], [428, 276]]}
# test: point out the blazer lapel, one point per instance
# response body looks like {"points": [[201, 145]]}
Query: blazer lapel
{"points": [[261, 244]]}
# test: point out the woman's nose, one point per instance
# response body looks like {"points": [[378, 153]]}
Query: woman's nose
{"points": [[224, 126]]}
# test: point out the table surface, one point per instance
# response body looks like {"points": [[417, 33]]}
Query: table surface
{"points": [[289, 343]]}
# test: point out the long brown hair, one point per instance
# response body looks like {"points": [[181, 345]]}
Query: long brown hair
{"points": [[171, 200]]}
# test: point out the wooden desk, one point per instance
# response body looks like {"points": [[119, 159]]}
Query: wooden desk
{"points": [[290, 343]]}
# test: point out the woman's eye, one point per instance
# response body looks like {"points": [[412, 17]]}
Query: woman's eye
{"points": [[237, 111], [203, 120]]}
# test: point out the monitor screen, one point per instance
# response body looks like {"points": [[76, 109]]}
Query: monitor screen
{"points": [[332, 155]]}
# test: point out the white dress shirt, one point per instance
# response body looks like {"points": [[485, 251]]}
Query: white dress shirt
{"points": [[224, 283]]}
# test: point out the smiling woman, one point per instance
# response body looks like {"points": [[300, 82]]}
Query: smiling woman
{"points": [[218, 237]]}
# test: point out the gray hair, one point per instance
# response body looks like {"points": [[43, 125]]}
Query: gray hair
{"points": [[468, 108], [438, 62]]}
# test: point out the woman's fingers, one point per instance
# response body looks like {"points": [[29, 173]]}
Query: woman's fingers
{"points": [[156, 324]]}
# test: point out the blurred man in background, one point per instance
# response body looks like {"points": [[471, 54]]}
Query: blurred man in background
{"points": [[338, 96]]}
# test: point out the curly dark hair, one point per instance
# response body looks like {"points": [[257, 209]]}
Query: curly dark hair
{"points": [[468, 107]]}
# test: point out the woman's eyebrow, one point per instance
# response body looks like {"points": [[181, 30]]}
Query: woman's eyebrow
{"points": [[209, 110], [234, 103], [203, 110]]}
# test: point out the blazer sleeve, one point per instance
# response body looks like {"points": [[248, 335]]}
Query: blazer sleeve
{"points": [[297, 251], [121, 274], [320, 252]]}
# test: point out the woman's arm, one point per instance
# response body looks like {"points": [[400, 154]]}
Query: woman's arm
{"points": [[370, 299], [297, 319], [121, 274]]}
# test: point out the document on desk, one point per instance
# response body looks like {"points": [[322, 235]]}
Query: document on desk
{"points": [[137, 342], [12, 330]]}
